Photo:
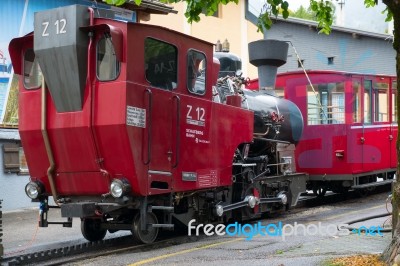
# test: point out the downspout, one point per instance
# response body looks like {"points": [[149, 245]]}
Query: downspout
{"points": [[50, 170]]}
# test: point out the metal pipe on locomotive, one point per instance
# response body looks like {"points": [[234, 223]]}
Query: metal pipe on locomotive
{"points": [[130, 130]]}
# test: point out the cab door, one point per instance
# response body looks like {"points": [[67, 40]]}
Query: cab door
{"points": [[161, 73]]}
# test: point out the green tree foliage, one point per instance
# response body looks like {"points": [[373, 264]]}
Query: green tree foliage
{"points": [[303, 13], [308, 13]]}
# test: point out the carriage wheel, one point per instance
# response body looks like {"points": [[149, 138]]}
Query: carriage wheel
{"points": [[364, 192], [341, 190], [145, 236], [91, 229], [319, 191]]}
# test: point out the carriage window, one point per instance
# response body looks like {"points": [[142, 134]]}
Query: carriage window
{"points": [[381, 102], [32, 72], [108, 66], [367, 101], [161, 64], [356, 102], [394, 101], [325, 103], [196, 72]]}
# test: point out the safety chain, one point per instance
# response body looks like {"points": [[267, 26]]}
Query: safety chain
{"points": [[309, 81]]}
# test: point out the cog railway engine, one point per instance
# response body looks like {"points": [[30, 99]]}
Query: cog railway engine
{"points": [[126, 127]]}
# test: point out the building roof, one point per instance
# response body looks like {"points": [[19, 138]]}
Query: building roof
{"points": [[355, 32], [9, 134], [150, 6]]}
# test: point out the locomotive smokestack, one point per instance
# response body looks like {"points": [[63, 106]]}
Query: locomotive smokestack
{"points": [[267, 56]]}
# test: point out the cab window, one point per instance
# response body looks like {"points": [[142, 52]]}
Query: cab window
{"points": [[161, 64], [196, 72], [32, 72], [108, 67]]}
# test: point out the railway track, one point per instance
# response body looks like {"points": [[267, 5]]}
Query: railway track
{"points": [[77, 252]]}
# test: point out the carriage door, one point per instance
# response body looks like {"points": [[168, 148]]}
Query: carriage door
{"points": [[393, 127], [356, 128], [376, 131], [383, 135], [161, 73]]}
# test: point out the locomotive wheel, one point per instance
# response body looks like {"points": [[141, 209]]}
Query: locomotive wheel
{"points": [[91, 229], [145, 236], [319, 191], [252, 190]]}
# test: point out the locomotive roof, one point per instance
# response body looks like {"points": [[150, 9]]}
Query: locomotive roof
{"points": [[165, 29]]}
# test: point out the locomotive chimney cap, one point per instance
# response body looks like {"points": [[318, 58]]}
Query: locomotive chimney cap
{"points": [[225, 46], [218, 46]]}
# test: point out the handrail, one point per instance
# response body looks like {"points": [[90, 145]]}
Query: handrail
{"points": [[177, 139], [149, 120], [99, 160]]}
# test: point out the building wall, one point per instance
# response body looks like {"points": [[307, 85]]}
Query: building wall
{"points": [[12, 185], [351, 52]]}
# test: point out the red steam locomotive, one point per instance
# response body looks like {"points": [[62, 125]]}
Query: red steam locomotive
{"points": [[127, 128], [350, 132]]}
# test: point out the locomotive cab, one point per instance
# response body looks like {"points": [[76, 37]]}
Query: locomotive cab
{"points": [[119, 127]]}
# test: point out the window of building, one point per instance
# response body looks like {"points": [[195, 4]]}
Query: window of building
{"points": [[300, 63], [381, 97], [356, 102], [331, 60], [108, 67], [161, 64], [367, 101], [325, 103], [23, 166], [196, 72], [32, 71], [394, 101]]}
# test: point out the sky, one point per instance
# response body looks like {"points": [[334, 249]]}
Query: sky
{"points": [[356, 15]]}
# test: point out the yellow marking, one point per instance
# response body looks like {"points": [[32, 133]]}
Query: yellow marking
{"points": [[234, 240], [183, 252]]}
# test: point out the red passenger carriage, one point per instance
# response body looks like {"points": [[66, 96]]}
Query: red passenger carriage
{"points": [[350, 132]]}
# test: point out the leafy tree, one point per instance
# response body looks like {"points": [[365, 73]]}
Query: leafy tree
{"points": [[303, 13], [324, 16], [308, 13]]}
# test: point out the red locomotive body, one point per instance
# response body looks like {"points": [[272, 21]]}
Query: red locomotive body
{"points": [[350, 132], [126, 134]]}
